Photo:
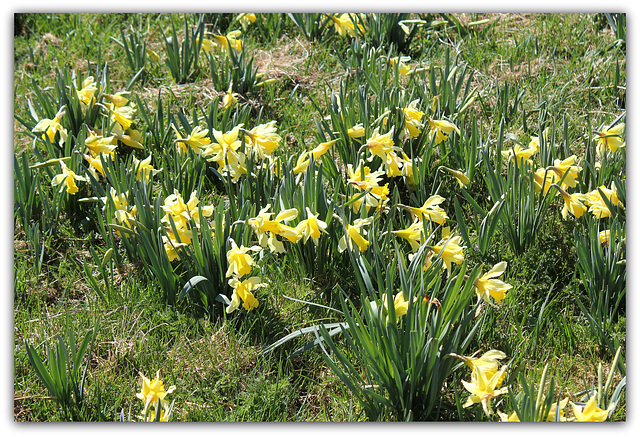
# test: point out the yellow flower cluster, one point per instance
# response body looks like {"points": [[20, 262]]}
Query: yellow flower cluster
{"points": [[151, 392]]}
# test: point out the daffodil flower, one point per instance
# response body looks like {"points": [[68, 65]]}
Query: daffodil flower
{"points": [[542, 180], [414, 234], [87, 92], [610, 139], [171, 241], [229, 41], [597, 206], [591, 412], [242, 293], [182, 212], [400, 306], [440, 129], [246, 19], [450, 251], [403, 68], [412, 120], [429, 210], [51, 127], [519, 153], [487, 286], [573, 203], [355, 234], [356, 131], [344, 25], [144, 169], [484, 389], [267, 229], [380, 145], [97, 145], [198, 139], [95, 164], [152, 390], [513, 417], [566, 169], [486, 363], [69, 178], [240, 262], [224, 150], [230, 98], [311, 227], [263, 139]]}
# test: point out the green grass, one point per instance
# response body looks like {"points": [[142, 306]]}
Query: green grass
{"points": [[563, 71]]}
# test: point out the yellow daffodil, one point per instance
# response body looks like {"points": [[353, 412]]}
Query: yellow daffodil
{"points": [[229, 41], [566, 168], [153, 55], [95, 164], [182, 212], [486, 363], [267, 229], [311, 227], [355, 234], [124, 214], [487, 287], [224, 150], [263, 139], [403, 68], [573, 203], [591, 412], [197, 139], [356, 131], [484, 389], [240, 262], [97, 145], [246, 19], [440, 129], [412, 120], [152, 390], [171, 241], [414, 234], [551, 416], [87, 92], [230, 98], [242, 293], [597, 206], [518, 154], [430, 210], [610, 139], [344, 24], [400, 306], [450, 251], [513, 417], [542, 180], [605, 237], [69, 178], [364, 179], [51, 127], [144, 169], [380, 145]]}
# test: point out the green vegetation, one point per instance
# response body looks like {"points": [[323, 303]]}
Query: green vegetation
{"points": [[320, 217]]}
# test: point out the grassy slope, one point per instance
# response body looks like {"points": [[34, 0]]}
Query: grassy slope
{"points": [[216, 366]]}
